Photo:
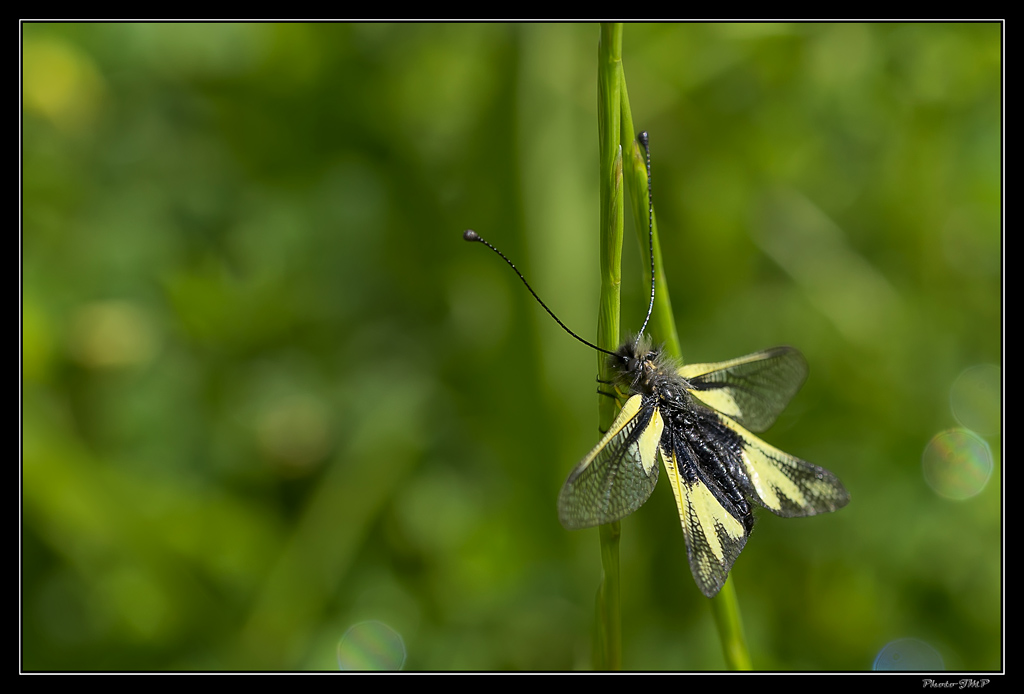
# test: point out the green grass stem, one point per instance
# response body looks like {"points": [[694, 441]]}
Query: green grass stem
{"points": [[608, 630]]}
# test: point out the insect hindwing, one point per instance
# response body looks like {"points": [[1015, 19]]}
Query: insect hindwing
{"points": [[752, 391], [784, 484], [715, 529], [715, 519]]}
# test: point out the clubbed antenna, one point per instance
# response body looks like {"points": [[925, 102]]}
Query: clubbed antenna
{"points": [[470, 235]]}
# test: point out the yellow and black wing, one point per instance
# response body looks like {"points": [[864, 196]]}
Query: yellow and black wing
{"points": [[619, 474], [716, 526], [784, 484], [752, 390], [716, 467]]}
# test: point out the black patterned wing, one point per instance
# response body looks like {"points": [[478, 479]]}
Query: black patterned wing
{"points": [[754, 389], [618, 476], [784, 484], [716, 468], [715, 523]]}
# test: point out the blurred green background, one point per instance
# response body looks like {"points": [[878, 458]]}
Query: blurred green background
{"points": [[269, 393]]}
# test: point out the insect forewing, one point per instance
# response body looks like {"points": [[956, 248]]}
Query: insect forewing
{"points": [[754, 389], [619, 474]]}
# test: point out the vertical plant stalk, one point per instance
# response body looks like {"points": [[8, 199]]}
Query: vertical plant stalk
{"points": [[726, 609], [725, 605], [607, 647]]}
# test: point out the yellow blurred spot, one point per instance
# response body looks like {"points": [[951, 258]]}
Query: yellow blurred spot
{"points": [[112, 334], [840, 56], [61, 83], [36, 342], [295, 433]]}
